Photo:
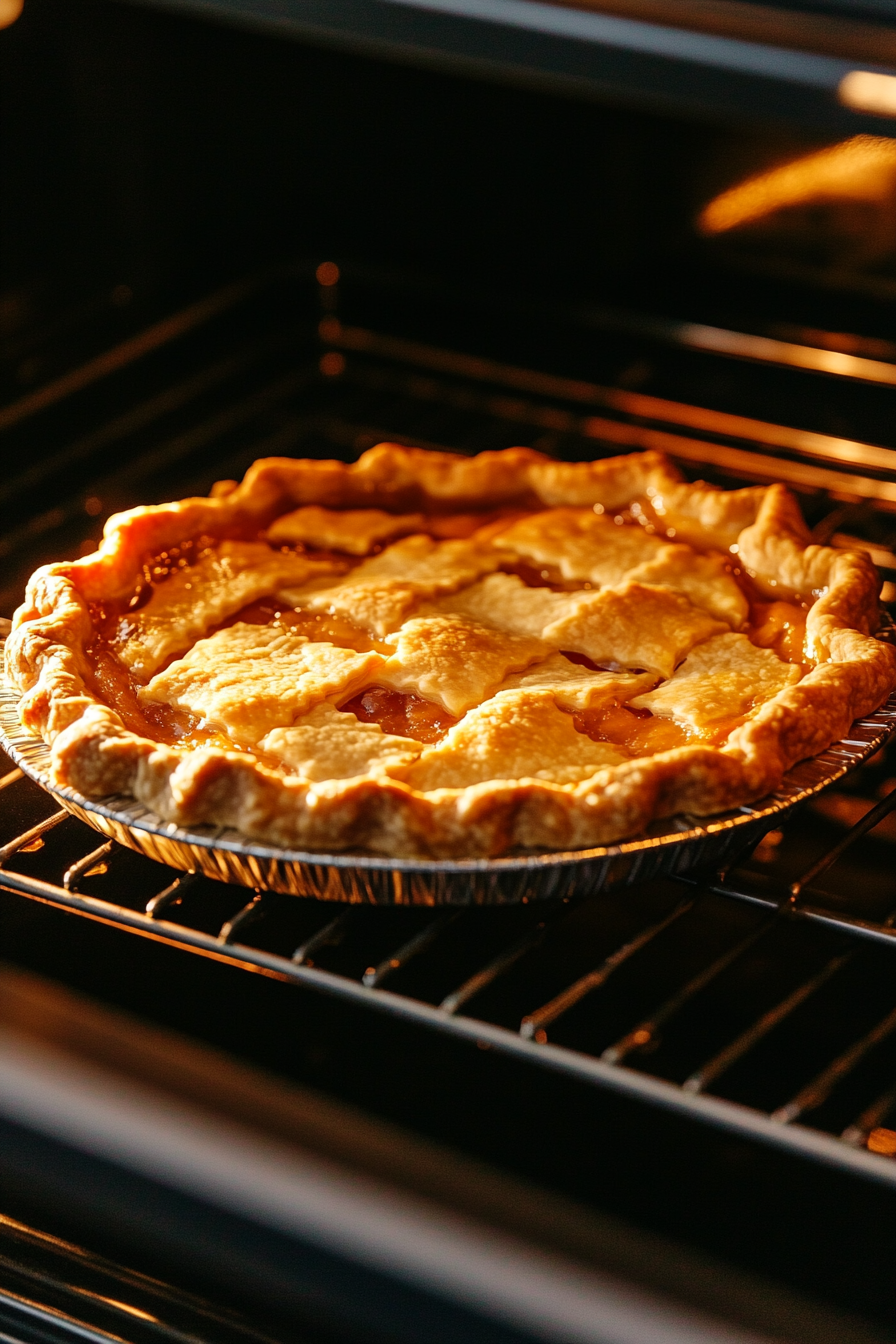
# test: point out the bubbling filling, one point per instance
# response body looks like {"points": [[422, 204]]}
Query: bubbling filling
{"points": [[115, 686], [780, 626], [401, 714], [637, 730]]}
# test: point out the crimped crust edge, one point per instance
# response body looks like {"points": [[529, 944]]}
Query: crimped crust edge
{"points": [[93, 752]]}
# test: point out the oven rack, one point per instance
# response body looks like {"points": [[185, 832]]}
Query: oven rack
{"points": [[254, 369], [172, 914], [275, 365]]}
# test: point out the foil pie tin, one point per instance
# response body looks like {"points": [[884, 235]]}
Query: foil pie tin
{"points": [[673, 846]]}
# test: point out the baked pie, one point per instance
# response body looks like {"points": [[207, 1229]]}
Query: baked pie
{"points": [[423, 654]]}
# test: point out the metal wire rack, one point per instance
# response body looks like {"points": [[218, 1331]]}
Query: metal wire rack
{"points": [[762, 997], [738, 987]]}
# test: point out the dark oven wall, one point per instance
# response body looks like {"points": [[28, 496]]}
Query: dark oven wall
{"points": [[153, 154]]}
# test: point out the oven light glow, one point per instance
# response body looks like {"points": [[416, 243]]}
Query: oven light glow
{"points": [[867, 91], [126, 1306], [332, 364], [9, 12], [882, 1141], [327, 274], [862, 168]]}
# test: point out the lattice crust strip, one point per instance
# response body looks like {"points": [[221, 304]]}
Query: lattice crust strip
{"points": [[544, 616]]}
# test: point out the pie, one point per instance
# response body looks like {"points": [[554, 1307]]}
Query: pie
{"points": [[424, 654]]}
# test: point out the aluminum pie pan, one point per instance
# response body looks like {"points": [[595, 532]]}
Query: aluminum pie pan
{"points": [[671, 847]]}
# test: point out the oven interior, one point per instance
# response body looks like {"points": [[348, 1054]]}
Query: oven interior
{"points": [[712, 1057]]}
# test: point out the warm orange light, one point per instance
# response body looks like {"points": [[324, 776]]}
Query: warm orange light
{"points": [[330, 329], [862, 168], [126, 1306], [327, 273], [882, 1141], [9, 12], [867, 91], [332, 364]]}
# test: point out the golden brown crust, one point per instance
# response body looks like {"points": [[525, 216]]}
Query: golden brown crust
{"points": [[96, 754]]}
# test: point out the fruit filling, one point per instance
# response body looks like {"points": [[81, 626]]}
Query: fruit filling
{"points": [[114, 686], [780, 626], [400, 714], [643, 733]]}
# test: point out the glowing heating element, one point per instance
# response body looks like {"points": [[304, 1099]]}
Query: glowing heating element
{"points": [[862, 168], [868, 91]]}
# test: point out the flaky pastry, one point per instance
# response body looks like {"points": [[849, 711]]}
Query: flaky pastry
{"points": [[424, 654]]}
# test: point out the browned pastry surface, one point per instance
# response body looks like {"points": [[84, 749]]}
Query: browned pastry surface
{"points": [[428, 654]]}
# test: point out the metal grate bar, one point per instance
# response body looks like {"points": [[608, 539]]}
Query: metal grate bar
{"points": [[738, 461], [745, 463], [118, 482], [857, 1133], [533, 1025], [481, 979], [812, 914], [136, 418], [250, 913], [868, 823], [472, 368], [723, 1061], [815, 1093], [35, 833], [646, 1031], [375, 975], [819, 1089], [171, 895], [80, 869], [134, 348], [330, 935]]}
